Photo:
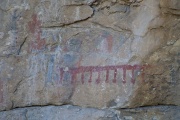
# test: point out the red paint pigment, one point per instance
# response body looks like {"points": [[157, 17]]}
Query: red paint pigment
{"points": [[98, 79], [110, 43], [34, 27], [115, 74], [107, 76], [98, 69], [90, 79]]}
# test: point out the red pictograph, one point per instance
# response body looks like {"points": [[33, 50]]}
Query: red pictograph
{"points": [[99, 69], [34, 27]]}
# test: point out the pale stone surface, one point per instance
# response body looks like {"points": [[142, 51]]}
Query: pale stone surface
{"points": [[172, 4], [79, 52], [55, 15], [58, 113], [68, 112], [151, 113]]}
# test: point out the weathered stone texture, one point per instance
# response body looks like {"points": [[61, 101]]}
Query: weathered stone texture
{"points": [[68, 112], [89, 53], [58, 113], [151, 113]]}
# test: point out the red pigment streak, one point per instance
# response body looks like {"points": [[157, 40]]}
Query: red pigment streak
{"points": [[79, 62], [133, 79], [90, 79], [124, 75], [115, 74], [74, 75], [1, 91], [34, 27], [98, 79], [110, 43], [98, 69], [107, 76]]}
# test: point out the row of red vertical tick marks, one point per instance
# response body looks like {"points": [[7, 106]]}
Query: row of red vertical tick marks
{"points": [[99, 69]]}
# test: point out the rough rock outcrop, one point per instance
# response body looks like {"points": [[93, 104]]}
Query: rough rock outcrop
{"points": [[68, 112], [89, 53]]}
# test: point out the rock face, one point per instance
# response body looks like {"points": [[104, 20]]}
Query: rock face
{"points": [[102, 54], [59, 113], [68, 112], [151, 113]]}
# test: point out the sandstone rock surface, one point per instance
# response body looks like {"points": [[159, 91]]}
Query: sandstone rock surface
{"points": [[103, 54], [69, 112]]}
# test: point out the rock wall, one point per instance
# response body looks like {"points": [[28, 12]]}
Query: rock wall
{"points": [[90, 59]]}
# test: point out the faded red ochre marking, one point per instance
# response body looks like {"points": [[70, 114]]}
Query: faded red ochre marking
{"points": [[98, 69], [115, 74], [1, 91], [34, 27], [98, 79], [79, 62], [107, 76], [110, 42], [90, 79]]}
